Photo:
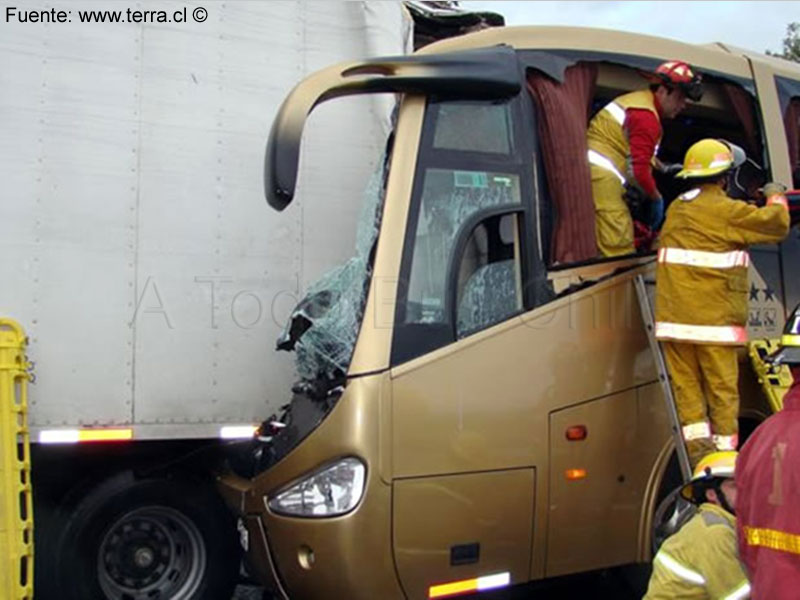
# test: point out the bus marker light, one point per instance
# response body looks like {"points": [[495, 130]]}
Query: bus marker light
{"points": [[577, 433], [575, 474]]}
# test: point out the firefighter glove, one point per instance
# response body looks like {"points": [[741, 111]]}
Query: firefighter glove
{"points": [[774, 189], [656, 213]]}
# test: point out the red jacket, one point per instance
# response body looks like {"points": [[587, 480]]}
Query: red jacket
{"points": [[768, 503], [644, 132]]}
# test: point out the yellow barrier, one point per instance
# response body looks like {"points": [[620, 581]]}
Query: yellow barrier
{"points": [[775, 381], [16, 510]]}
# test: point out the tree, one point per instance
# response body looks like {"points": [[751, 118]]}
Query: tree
{"points": [[791, 43]]}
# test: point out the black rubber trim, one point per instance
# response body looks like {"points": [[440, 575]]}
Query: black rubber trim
{"points": [[486, 73]]}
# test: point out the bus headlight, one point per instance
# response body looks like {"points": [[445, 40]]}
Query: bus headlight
{"points": [[333, 490]]}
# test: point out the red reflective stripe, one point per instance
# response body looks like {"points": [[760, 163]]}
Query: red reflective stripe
{"points": [[720, 334], [778, 199]]}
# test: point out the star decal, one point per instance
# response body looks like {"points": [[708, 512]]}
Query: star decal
{"points": [[769, 294], [753, 292]]}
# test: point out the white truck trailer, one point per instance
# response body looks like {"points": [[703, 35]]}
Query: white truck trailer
{"points": [[138, 254]]}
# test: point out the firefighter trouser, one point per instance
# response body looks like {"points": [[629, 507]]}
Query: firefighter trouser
{"points": [[705, 384], [613, 222]]}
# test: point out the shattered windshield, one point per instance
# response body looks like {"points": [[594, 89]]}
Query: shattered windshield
{"points": [[323, 327]]}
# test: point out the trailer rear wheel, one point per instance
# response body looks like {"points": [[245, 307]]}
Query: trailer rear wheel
{"points": [[137, 539]]}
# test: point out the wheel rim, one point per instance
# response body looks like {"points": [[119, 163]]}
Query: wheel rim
{"points": [[151, 553]]}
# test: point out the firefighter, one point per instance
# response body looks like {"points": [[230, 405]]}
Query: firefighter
{"points": [[701, 291], [700, 560], [769, 486], [623, 139]]}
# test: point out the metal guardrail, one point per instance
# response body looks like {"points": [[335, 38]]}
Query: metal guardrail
{"points": [[16, 502]]}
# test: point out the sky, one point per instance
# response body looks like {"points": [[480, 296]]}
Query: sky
{"points": [[753, 25]]}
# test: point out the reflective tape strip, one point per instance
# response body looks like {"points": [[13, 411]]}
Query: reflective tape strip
{"points": [[696, 431], [487, 582], [722, 162], [773, 539], [616, 111], [232, 432], [601, 161], [717, 334], [725, 442], [743, 591], [703, 258], [490, 582], [678, 569], [73, 436], [792, 335], [690, 195], [778, 199]]}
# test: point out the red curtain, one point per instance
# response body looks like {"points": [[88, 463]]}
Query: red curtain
{"points": [[743, 106], [791, 122], [563, 114]]}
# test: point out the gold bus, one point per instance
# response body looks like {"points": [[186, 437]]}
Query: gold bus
{"points": [[479, 405]]}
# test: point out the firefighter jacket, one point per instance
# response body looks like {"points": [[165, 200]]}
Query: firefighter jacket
{"points": [[767, 501], [700, 561], [702, 285], [609, 147]]}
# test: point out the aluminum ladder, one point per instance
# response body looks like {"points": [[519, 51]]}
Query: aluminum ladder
{"points": [[646, 305]]}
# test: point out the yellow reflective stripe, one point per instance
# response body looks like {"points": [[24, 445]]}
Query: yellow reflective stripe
{"points": [[773, 539], [696, 431], [601, 161], [790, 340], [720, 334], [678, 569], [486, 582], [616, 111], [743, 591], [703, 258]]}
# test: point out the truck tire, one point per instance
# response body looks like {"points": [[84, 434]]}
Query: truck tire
{"points": [[136, 539]]}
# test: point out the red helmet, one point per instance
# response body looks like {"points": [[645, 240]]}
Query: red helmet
{"points": [[678, 74]]}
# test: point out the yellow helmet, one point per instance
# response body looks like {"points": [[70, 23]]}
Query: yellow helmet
{"points": [[788, 352], [710, 157], [716, 464]]}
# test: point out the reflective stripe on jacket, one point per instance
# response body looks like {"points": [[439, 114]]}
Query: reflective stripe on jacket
{"points": [[700, 560], [702, 284], [606, 134]]}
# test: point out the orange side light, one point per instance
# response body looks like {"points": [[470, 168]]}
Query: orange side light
{"points": [[575, 474], [105, 435], [577, 433]]}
